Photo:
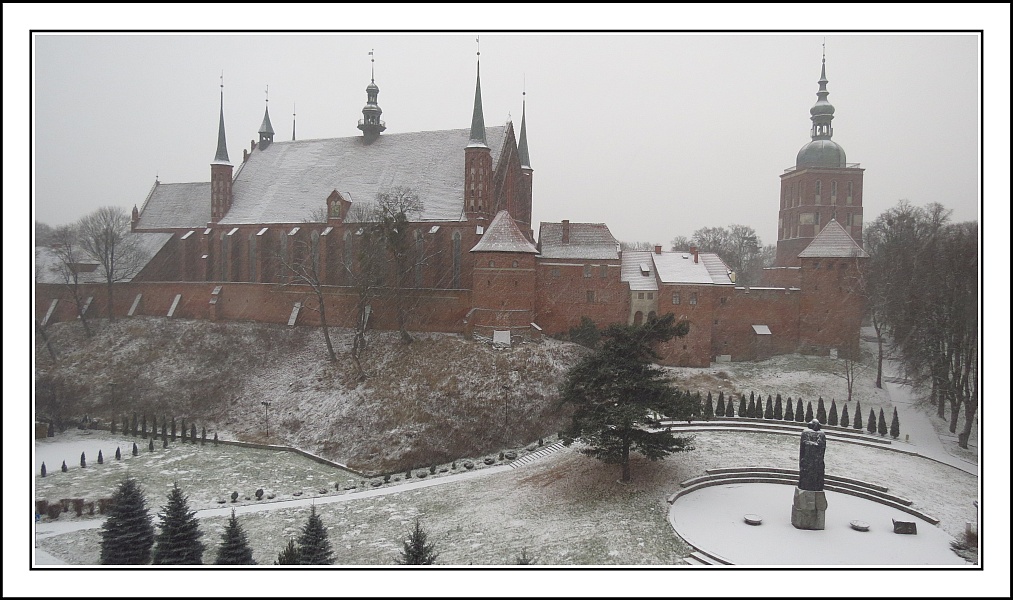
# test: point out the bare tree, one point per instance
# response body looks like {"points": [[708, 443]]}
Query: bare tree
{"points": [[847, 373], [68, 268], [636, 246], [395, 209], [105, 237], [304, 269]]}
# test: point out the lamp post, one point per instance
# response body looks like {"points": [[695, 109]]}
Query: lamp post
{"points": [[267, 428]]}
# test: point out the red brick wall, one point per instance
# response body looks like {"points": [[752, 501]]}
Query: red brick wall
{"points": [[832, 305], [800, 187], [503, 289], [562, 300], [694, 349], [777, 308]]}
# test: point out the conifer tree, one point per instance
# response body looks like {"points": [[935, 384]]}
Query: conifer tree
{"points": [[768, 413], [882, 422], [234, 549], [134, 451], [789, 413], [178, 540], [708, 410], [809, 411], [63, 467], [871, 426], [44, 468], [845, 420], [729, 409], [151, 445], [83, 465], [417, 549], [314, 547], [778, 409], [799, 414], [821, 412], [895, 425], [832, 416], [288, 556], [858, 415], [720, 411], [751, 408], [100, 457], [127, 533], [742, 405]]}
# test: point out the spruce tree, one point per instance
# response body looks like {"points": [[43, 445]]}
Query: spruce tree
{"points": [[768, 413], [789, 413], [799, 414], [729, 408], [742, 405], [234, 549], [809, 411], [845, 420], [871, 426], [778, 409], [832, 417], [44, 468], [288, 556], [127, 533], [119, 456], [821, 412], [882, 422], [63, 467], [83, 465], [314, 547], [708, 411], [751, 408], [720, 411], [178, 540], [895, 425], [417, 549], [100, 457], [134, 451], [858, 415]]}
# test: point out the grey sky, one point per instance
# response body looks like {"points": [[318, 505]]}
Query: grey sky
{"points": [[654, 134]]}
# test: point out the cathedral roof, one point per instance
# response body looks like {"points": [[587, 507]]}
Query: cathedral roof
{"points": [[833, 242], [592, 241], [176, 205], [502, 235]]}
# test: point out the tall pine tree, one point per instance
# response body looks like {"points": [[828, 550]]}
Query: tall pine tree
{"points": [[742, 405], [720, 411], [768, 412], [127, 533], [616, 389], [234, 549], [178, 540], [417, 549], [314, 547], [789, 413]]}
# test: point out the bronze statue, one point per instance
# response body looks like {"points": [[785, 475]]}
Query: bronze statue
{"points": [[810, 458]]}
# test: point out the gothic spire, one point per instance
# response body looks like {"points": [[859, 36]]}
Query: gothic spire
{"points": [[222, 154], [370, 123], [822, 113], [266, 131], [522, 144], [477, 118]]}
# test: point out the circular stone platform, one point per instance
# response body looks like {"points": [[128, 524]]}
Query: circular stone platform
{"points": [[711, 519]]}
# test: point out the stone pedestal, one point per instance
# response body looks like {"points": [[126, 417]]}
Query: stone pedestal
{"points": [[808, 511]]}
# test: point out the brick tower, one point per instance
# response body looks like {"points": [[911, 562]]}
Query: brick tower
{"points": [[221, 169]]}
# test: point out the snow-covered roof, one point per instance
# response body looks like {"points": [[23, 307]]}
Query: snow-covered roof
{"points": [[288, 181], [833, 242], [679, 267], [591, 241], [631, 273], [47, 263], [503, 235], [176, 205]]}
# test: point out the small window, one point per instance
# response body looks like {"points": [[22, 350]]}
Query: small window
{"points": [[590, 296], [650, 295], [833, 192], [692, 297], [851, 190], [640, 296], [676, 299], [587, 270], [819, 190]]}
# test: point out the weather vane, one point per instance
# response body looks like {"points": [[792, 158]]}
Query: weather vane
{"points": [[372, 60], [267, 88], [222, 80], [479, 46]]}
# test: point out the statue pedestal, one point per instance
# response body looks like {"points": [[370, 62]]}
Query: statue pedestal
{"points": [[808, 511]]}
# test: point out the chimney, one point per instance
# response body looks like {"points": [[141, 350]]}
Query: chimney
{"points": [[566, 231], [696, 255], [253, 146], [657, 249], [246, 155]]}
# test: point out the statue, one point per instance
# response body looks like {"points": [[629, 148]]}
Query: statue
{"points": [[810, 458]]}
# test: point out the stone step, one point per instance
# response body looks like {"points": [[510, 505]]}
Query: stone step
{"points": [[831, 483], [709, 558], [794, 473], [692, 560], [530, 458], [764, 426]]}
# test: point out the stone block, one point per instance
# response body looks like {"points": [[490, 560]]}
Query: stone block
{"points": [[808, 510], [908, 527]]}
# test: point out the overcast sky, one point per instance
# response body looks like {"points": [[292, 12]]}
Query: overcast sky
{"points": [[655, 135]]}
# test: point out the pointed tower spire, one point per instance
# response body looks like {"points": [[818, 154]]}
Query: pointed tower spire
{"points": [[522, 144], [477, 118], [370, 123], [822, 151], [266, 131], [222, 155]]}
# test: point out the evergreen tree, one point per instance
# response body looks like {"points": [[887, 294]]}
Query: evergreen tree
{"points": [[118, 455], [720, 411], [882, 422], [778, 409], [858, 415], [729, 410], [789, 413], [895, 425], [617, 388], [83, 465], [832, 417], [417, 549], [768, 413], [314, 547], [742, 405], [821, 412], [809, 411], [100, 457], [871, 426], [63, 467], [708, 411], [44, 468], [234, 549], [127, 533], [288, 556], [751, 408], [845, 420], [134, 451], [178, 540], [799, 414]]}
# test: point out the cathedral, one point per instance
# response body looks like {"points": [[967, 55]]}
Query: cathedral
{"points": [[291, 223]]}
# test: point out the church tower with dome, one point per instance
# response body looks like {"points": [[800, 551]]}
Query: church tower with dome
{"points": [[822, 186]]}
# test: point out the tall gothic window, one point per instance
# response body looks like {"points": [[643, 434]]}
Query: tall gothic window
{"points": [[457, 261]]}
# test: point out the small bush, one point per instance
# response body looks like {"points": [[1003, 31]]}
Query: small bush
{"points": [[845, 421], [821, 411], [469, 465], [742, 405], [235, 496], [799, 414], [778, 409], [259, 493], [83, 465], [421, 474], [501, 455], [63, 467], [809, 411], [386, 478], [432, 470], [490, 461], [53, 511], [832, 415], [100, 457], [789, 413], [768, 412], [510, 455], [408, 474]]}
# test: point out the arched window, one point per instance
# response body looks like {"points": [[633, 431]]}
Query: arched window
{"points": [[456, 281], [851, 190], [833, 192], [638, 318], [819, 190]]}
